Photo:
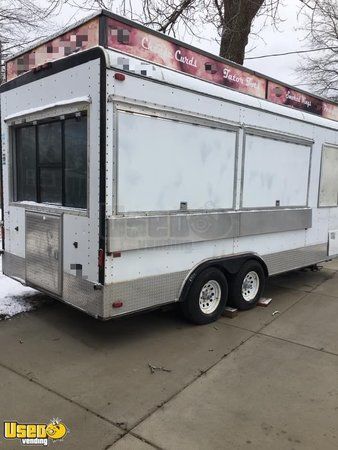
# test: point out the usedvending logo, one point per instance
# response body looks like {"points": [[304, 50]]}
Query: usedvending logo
{"points": [[36, 433]]}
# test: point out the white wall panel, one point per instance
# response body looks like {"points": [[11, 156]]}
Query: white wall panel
{"points": [[162, 163], [66, 87], [275, 171]]}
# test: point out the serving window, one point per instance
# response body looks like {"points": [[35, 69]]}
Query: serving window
{"points": [[51, 162], [328, 190], [275, 173], [164, 163]]}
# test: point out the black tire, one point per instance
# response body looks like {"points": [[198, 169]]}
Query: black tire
{"points": [[191, 307], [236, 295]]}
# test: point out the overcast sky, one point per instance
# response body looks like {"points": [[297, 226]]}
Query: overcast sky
{"points": [[290, 37]]}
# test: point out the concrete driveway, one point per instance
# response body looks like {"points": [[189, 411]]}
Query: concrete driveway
{"points": [[258, 381]]}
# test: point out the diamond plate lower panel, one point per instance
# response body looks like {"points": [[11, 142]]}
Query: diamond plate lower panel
{"points": [[81, 294], [295, 259], [77, 292], [143, 293], [151, 291], [161, 289], [14, 266]]}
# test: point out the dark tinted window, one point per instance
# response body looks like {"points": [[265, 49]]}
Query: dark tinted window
{"points": [[26, 163], [76, 162], [51, 162], [50, 143], [51, 185]]}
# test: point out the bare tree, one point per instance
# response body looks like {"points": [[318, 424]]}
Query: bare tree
{"points": [[320, 70], [232, 19], [233, 22], [22, 22]]}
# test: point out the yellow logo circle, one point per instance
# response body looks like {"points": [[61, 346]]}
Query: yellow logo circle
{"points": [[56, 430]]}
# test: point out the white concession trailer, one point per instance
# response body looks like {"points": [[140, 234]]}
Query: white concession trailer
{"points": [[130, 183]]}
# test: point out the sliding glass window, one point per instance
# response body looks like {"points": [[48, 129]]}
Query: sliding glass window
{"points": [[51, 162]]}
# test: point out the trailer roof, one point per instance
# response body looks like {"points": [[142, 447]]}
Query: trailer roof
{"points": [[115, 32]]}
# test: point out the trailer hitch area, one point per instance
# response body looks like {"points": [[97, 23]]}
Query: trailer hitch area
{"points": [[315, 268]]}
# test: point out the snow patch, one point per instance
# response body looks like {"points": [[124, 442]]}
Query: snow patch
{"points": [[16, 298]]}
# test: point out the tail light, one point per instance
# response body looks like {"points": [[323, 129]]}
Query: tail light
{"points": [[120, 76], [117, 304]]}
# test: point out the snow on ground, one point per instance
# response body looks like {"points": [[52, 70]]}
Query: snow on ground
{"points": [[16, 298]]}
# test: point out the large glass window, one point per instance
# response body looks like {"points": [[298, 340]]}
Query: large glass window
{"points": [[51, 162]]}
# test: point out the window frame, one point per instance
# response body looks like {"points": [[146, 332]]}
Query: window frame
{"points": [[60, 118], [283, 138], [181, 117], [325, 147]]}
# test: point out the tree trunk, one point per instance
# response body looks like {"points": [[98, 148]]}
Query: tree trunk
{"points": [[237, 20]]}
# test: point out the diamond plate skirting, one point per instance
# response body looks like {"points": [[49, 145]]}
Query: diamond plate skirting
{"points": [[81, 294], [77, 292], [14, 266], [295, 259], [157, 290], [151, 291], [143, 293]]}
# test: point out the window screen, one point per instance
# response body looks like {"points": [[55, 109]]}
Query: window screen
{"points": [[328, 191], [51, 162]]}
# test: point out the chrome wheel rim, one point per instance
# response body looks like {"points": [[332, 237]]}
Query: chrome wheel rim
{"points": [[210, 297], [250, 286]]}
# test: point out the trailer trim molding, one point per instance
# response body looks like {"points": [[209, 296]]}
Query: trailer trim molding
{"points": [[194, 118], [26, 114], [285, 137]]}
